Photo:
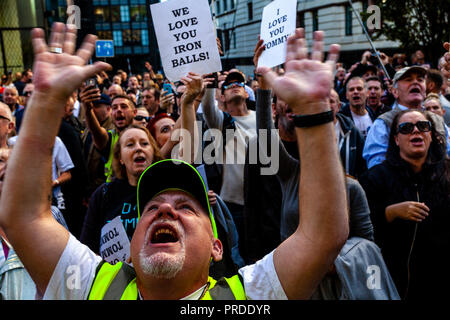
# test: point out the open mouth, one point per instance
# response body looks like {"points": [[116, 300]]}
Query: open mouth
{"points": [[414, 90], [417, 141], [139, 160], [164, 234]]}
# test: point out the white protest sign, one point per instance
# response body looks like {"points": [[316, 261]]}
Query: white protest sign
{"points": [[278, 23], [186, 37], [114, 243]]}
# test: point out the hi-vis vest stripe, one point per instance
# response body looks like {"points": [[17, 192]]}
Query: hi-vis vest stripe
{"points": [[108, 165], [114, 282]]}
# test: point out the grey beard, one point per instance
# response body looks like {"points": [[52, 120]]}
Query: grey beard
{"points": [[162, 265]]}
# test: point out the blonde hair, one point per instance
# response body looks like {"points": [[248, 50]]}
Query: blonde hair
{"points": [[119, 169], [433, 96]]}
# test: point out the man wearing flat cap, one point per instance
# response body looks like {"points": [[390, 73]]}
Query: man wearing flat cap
{"points": [[409, 90]]}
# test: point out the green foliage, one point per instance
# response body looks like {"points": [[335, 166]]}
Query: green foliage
{"points": [[416, 24]]}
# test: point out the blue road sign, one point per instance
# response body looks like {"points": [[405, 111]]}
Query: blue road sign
{"points": [[104, 48]]}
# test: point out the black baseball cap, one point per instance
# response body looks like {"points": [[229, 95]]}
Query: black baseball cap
{"points": [[172, 174], [232, 77], [104, 99]]}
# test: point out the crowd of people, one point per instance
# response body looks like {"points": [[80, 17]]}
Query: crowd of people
{"points": [[362, 179]]}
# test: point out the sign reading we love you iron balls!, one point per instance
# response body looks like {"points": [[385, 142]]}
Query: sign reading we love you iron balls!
{"points": [[186, 37]]}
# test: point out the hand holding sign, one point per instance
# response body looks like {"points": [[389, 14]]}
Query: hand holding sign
{"points": [[186, 37], [306, 81], [278, 22]]}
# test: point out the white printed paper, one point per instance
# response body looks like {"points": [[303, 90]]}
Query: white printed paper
{"points": [[114, 243], [186, 38], [278, 23]]}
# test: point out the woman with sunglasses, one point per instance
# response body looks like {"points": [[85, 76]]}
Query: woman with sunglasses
{"points": [[409, 198]]}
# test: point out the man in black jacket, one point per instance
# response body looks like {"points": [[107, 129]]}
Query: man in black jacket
{"points": [[349, 139], [356, 109]]}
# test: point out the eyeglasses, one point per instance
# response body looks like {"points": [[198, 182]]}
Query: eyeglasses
{"points": [[408, 127], [140, 118], [2, 117], [233, 84]]}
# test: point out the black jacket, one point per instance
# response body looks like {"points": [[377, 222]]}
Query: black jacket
{"points": [[351, 147], [390, 183]]}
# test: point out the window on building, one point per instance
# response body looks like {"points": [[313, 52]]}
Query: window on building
{"points": [[300, 19], [233, 4], [127, 38], [225, 5], [233, 37], [250, 10], [105, 35], [124, 13], [117, 37], [115, 13], [227, 40], [138, 13], [348, 20], [315, 20], [218, 7], [144, 36], [102, 14]]}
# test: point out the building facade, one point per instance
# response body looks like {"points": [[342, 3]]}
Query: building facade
{"points": [[17, 18], [129, 24], [238, 24]]}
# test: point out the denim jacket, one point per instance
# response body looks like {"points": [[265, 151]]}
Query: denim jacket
{"points": [[15, 282]]}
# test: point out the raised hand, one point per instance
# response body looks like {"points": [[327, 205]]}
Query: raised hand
{"points": [[60, 74], [446, 68], [88, 95], [306, 82], [166, 100], [259, 49], [194, 86]]}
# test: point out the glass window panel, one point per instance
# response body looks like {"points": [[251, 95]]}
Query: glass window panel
{"points": [[124, 13], [115, 13], [138, 13]]}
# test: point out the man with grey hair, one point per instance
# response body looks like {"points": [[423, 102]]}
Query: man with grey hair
{"points": [[409, 88], [6, 124], [11, 98]]}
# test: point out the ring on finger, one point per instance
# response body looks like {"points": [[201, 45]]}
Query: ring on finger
{"points": [[55, 50]]}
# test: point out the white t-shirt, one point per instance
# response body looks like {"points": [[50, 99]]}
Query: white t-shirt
{"points": [[234, 162], [75, 273], [362, 123], [61, 161]]}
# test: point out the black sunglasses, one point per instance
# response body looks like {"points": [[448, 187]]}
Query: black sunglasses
{"points": [[140, 118], [408, 127]]}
